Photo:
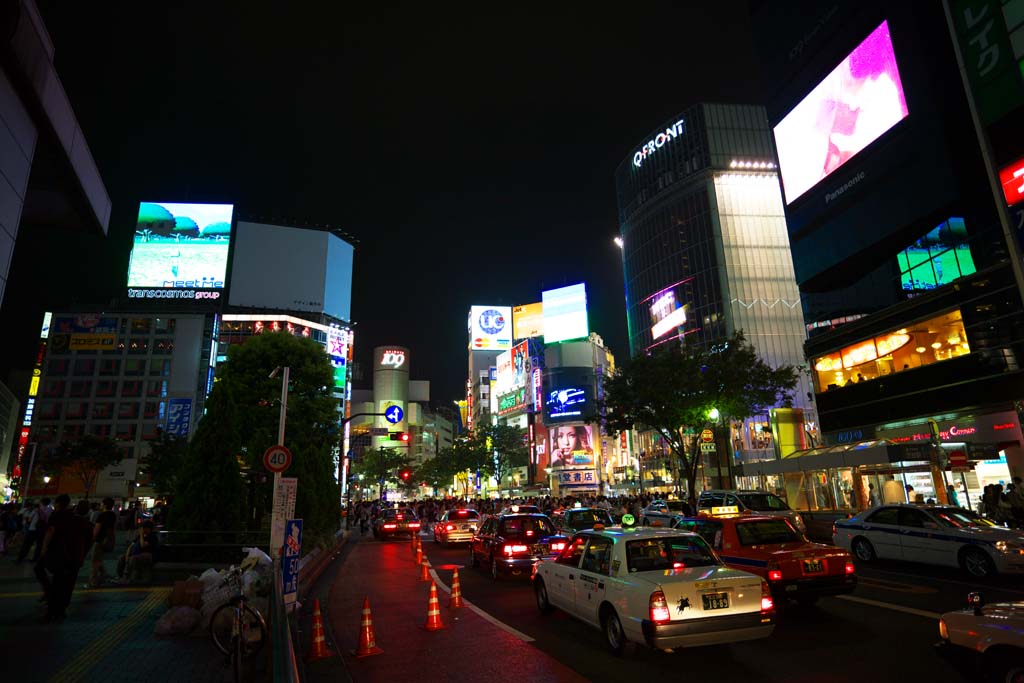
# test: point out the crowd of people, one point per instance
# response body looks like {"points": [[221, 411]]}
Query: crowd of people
{"points": [[61, 537], [1004, 506]]}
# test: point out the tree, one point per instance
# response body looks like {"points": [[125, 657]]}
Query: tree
{"points": [[210, 491], [437, 472], [382, 466], [507, 447], [165, 462], [674, 390], [85, 458]]}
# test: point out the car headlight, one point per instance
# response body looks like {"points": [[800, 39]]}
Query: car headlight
{"points": [[800, 523], [1009, 547]]}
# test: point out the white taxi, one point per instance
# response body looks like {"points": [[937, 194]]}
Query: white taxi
{"points": [[932, 534], [661, 587]]}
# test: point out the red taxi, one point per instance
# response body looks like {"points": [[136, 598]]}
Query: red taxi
{"points": [[772, 548]]}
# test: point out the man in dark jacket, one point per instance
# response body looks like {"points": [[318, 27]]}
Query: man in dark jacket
{"points": [[67, 541]]}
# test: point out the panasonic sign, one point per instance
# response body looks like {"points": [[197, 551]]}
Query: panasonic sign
{"points": [[658, 141]]}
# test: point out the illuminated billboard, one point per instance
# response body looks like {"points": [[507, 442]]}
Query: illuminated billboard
{"points": [[565, 313], [490, 328], [569, 403], [528, 320], [668, 311], [513, 378], [180, 246], [848, 110], [503, 380], [572, 446]]}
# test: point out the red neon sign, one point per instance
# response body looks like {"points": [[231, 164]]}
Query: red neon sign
{"points": [[1012, 179]]}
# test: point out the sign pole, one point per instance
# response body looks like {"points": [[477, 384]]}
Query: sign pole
{"points": [[275, 521]]}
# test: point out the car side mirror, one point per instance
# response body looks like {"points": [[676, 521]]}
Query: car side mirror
{"points": [[975, 600]]}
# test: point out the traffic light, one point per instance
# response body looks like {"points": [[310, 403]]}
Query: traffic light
{"points": [[399, 436], [405, 474]]}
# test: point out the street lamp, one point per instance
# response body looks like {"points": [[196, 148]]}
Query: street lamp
{"points": [[46, 479], [619, 243]]}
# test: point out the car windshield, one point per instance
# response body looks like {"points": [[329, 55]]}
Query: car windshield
{"points": [[463, 514], [958, 519], [766, 532], [673, 552], [586, 519], [763, 502], [529, 526]]}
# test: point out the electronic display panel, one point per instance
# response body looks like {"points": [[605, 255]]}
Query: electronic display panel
{"points": [[853, 106], [180, 246], [565, 313], [572, 446], [528, 320], [668, 311], [936, 259], [490, 328], [569, 403]]}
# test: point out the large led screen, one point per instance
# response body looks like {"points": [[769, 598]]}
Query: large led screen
{"points": [[565, 313], [528, 320], [490, 328], [180, 246], [668, 311], [851, 108], [572, 446]]}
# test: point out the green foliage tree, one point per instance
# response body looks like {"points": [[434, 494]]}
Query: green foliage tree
{"points": [[437, 472], [165, 462], [504, 448], [210, 491], [381, 467], [85, 458], [673, 391]]}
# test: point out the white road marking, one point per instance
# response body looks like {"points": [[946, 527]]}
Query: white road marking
{"points": [[979, 586], [889, 605], [487, 617]]}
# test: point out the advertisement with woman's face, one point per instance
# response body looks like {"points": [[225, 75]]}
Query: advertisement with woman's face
{"points": [[571, 446]]}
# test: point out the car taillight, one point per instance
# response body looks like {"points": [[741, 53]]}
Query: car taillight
{"points": [[659, 608], [512, 549], [943, 630], [414, 525], [767, 604], [558, 546], [775, 575], [401, 517], [390, 526], [850, 569], [450, 527]]}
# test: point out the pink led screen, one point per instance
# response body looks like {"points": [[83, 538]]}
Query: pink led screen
{"points": [[855, 104]]}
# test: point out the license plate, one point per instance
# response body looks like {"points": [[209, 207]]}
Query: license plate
{"points": [[813, 567], [715, 601]]}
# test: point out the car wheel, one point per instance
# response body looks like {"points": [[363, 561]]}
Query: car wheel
{"points": [[540, 591], [614, 636], [977, 563], [495, 574], [473, 562], [1005, 666], [863, 550]]}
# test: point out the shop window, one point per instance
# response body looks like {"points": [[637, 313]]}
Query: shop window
{"points": [[106, 388], [80, 388], [134, 367], [57, 367], [53, 388], [922, 343], [936, 259], [127, 410], [102, 410], [77, 410], [131, 388], [85, 367], [110, 367]]}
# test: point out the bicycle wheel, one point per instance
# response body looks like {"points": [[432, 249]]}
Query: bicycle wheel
{"points": [[221, 626], [254, 631]]}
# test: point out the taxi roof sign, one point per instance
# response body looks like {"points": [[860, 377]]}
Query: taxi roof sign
{"points": [[628, 520], [725, 510]]}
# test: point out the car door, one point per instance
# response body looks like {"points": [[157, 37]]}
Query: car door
{"points": [[564, 572], [481, 543], [882, 529], [920, 538], [593, 574]]}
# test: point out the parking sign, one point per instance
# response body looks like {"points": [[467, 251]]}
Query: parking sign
{"points": [[290, 560]]}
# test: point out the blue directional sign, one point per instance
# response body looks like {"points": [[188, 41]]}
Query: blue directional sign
{"points": [[394, 415], [290, 559]]}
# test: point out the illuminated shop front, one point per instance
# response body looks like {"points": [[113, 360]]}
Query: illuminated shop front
{"points": [[930, 341]]}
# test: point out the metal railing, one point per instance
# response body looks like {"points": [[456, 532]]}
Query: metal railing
{"points": [[285, 666]]}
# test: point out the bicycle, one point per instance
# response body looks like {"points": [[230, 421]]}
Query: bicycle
{"points": [[238, 629]]}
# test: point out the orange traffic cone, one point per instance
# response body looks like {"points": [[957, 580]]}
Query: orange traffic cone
{"points": [[318, 648], [413, 543], [367, 641], [456, 598], [433, 611], [424, 572], [419, 555]]}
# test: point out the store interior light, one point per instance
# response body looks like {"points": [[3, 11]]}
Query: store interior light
{"points": [[920, 349], [936, 345]]}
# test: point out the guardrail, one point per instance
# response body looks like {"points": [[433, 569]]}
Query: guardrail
{"points": [[285, 666]]}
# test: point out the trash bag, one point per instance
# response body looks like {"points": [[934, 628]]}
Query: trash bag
{"points": [[177, 621], [254, 557], [211, 577]]}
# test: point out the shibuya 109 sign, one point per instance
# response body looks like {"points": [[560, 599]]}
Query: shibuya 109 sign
{"points": [[392, 358], [658, 141]]}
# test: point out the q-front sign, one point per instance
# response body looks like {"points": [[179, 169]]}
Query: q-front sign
{"points": [[393, 358], [658, 141]]}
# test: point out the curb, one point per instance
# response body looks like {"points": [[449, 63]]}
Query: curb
{"points": [[317, 562]]}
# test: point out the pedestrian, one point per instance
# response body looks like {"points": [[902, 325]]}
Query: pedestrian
{"points": [[33, 525], [64, 549], [143, 550], [951, 495], [103, 538]]}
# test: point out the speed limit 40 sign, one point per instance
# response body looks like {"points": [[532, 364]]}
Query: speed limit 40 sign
{"points": [[277, 459]]}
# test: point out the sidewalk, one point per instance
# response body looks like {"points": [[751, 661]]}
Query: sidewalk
{"points": [[470, 648], [107, 636]]}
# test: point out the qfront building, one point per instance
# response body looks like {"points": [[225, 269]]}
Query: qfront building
{"points": [[705, 250], [903, 258]]}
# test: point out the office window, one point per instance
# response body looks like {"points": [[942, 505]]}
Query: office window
{"points": [[153, 409], [44, 433], [110, 367], [100, 430], [142, 325], [156, 388], [77, 410], [150, 431], [936, 259], [53, 388], [72, 432], [165, 325], [159, 368], [57, 367], [102, 410], [85, 367], [131, 388], [127, 410], [125, 431], [134, 367], [80, 388], [48, 410]]}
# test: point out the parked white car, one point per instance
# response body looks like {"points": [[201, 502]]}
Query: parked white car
{"points": [[991, 635], [932, 534], [660, 587]]}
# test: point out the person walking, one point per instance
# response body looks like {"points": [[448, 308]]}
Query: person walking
{"points": [[64, 549], [103, 538], [34, 528]]}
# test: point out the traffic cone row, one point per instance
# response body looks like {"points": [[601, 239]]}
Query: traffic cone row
{"points": [[419, 555], [318, 648], [434, 622], [424, 572], [367, 640], [455, 600]]}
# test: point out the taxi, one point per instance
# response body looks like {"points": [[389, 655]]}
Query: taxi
{"points": [[578, 518], [663, 588], [512, 544], [456, 526], [795, 568]]}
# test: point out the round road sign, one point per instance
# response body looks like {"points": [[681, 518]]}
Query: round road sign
{"points": [[277, 459], [394, 415], [707, 436]]}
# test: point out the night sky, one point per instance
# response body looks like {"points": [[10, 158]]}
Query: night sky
{"points": [[471, 155]]}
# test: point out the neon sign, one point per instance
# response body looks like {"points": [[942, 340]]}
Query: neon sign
{"points": [[393, 358], [658, 141]]}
